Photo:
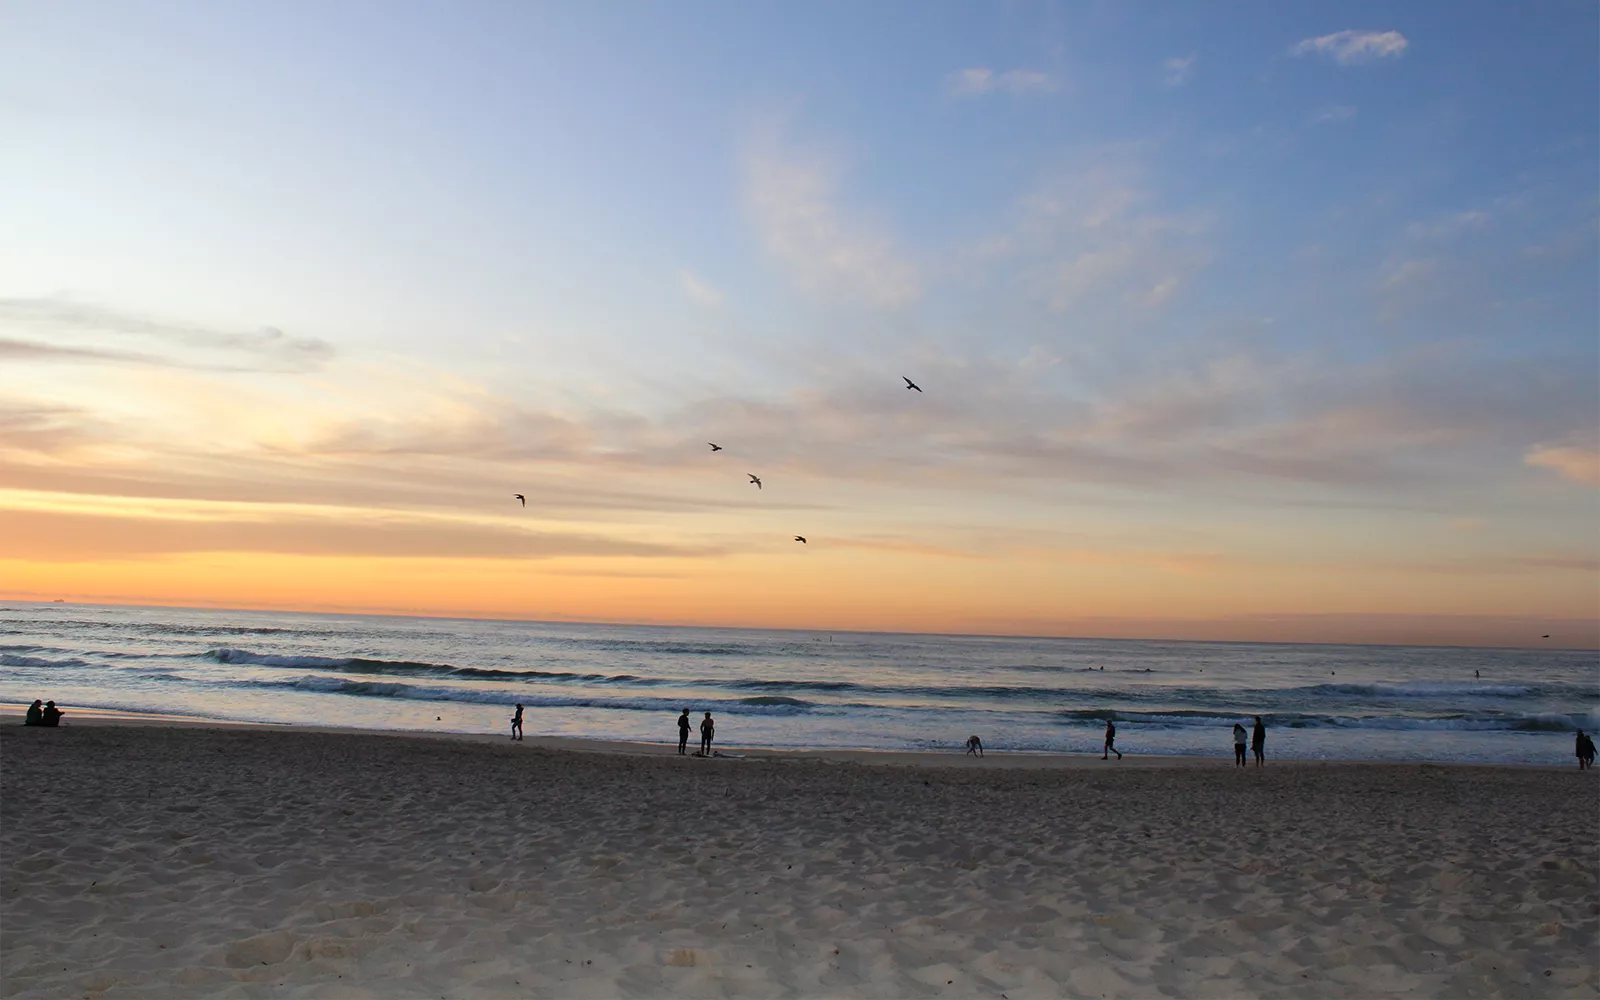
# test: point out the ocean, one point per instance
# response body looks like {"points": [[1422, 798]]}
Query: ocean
{"points": [[790, 689]]}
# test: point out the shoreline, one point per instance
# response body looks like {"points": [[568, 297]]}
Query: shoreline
{"points": [[993, 759]]}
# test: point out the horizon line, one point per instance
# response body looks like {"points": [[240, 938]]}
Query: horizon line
{"points": [[1553, 645]]}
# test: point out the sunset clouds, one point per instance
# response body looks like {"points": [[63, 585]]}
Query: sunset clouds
{"points": [[1205, 350]]}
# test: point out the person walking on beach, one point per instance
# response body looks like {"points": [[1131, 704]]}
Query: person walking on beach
{"points": [[1585, 751], [516, 724], [1240, 737], [708, 732], [683, 733], [1258, 742], [1111, 743]]}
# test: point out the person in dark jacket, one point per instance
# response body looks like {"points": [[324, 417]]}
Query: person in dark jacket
{"points": [[52, 714], [1258, 742], [35, 717], [1111, 743], [683, 733]]}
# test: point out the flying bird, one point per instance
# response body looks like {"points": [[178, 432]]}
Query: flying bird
{"points": [[755, 479], [715, 447], [801, 539], [524, 499], [1544, 637], [912, 385]]}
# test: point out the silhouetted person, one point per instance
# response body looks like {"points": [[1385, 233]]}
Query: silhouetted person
{"points": [[683, 733], [708, 732], [516, 724], [1585, 751], [52, 714], [1258, 742], [974, 745], [1111, 741], [1240, 737], [36, 718]]}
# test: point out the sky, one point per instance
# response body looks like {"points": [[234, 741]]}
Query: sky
{"points": [[1269, 321]]}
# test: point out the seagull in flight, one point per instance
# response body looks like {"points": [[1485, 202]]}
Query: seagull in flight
{"points": [[715, 447], [755, 479], [524, 499], [801, 539], [912, 385]]}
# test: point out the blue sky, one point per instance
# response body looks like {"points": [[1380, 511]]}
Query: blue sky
{"points": [[1223, 267]]}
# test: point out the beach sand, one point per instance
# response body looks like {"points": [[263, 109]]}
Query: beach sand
{"points": [[184, 861]]}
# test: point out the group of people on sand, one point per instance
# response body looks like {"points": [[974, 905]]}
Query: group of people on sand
{"points": [[1585, 751], [708, 732], [47, 715], [1258, 743]]}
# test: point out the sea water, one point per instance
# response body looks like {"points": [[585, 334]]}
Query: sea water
{"points": [[803, 689]]}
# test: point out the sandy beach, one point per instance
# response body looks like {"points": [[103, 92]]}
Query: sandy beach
{"points": [[186, 861]]}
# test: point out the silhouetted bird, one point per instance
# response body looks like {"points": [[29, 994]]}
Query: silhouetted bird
{"points": [[524, 499], [1544, 637], [755, 479], [801, 539], [912, 385], [715, 447]]}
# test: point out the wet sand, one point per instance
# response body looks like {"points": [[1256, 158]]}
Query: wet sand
{"points": [[171, 860]]}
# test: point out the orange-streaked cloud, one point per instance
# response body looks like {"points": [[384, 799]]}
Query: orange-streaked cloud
{"points": [[1579, 463]]}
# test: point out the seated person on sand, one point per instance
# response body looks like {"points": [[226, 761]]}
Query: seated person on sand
{"points": [[52, 714], [974, 745], [36, 717]]}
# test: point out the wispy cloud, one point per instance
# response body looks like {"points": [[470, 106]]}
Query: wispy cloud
{"points": [[1334, 113], [1571, 459], [978, 80], [170, 344], [1094, 237], [1177, 69], [1449, 224], [792, 198], [84, 534], [1347, 48], [698, 290]]}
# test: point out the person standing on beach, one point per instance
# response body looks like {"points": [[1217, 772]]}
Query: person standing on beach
{"points": [[1258, 742], [683, 733], [1240, 737], [516, 724], [708, 732], [1111, 743], [1585, 751]]}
